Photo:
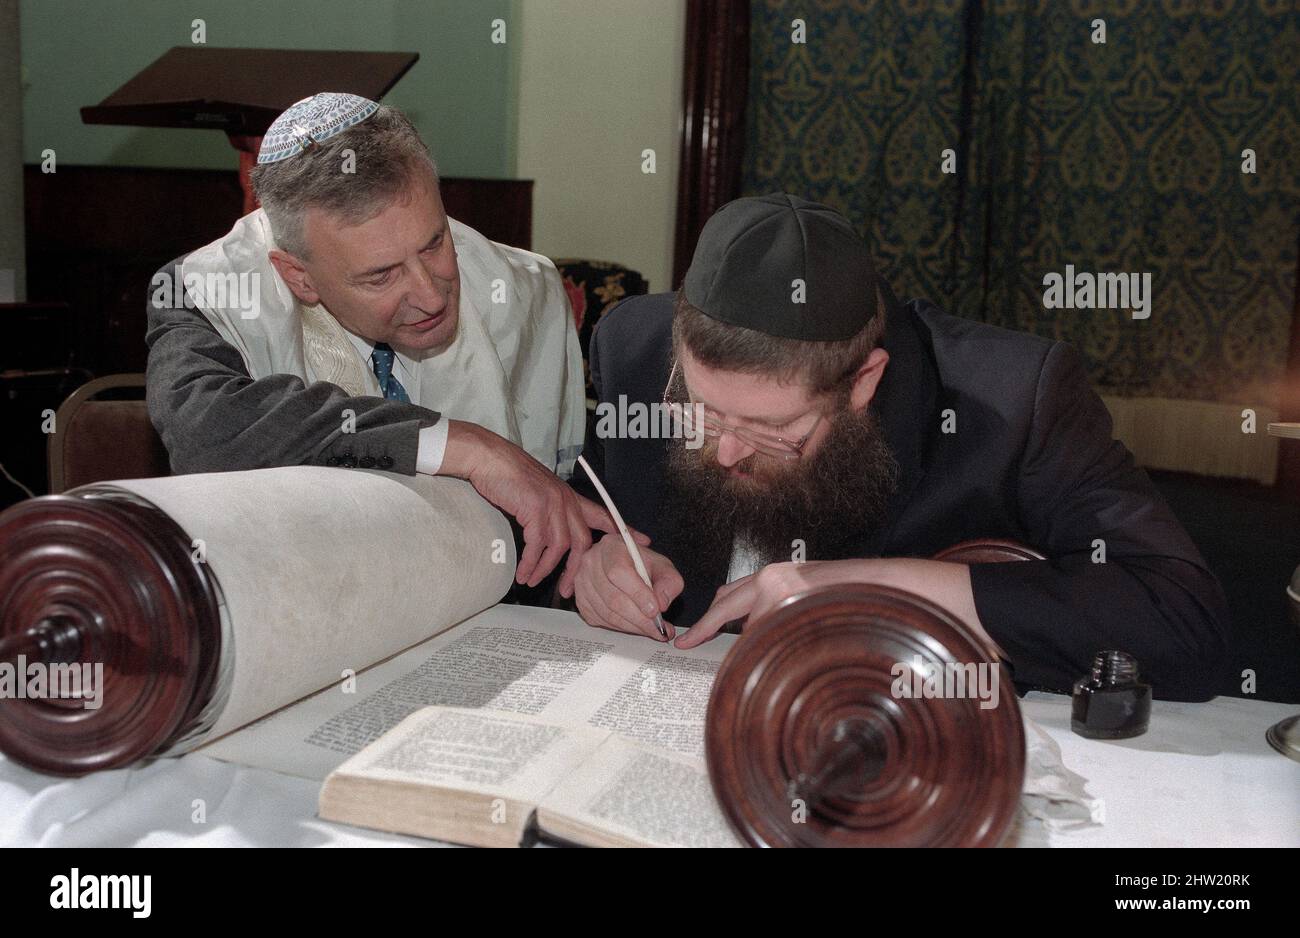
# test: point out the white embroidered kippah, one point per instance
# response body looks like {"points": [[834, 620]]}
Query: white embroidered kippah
{"points": [[311, 121]]}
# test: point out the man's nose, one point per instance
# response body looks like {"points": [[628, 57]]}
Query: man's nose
{"points": [[426, 292], [731, 449]]}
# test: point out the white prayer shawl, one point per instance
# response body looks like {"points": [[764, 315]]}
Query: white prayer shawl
{"points": [[514, 367]]}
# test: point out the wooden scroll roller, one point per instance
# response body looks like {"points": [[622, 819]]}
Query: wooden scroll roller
{"points": [[208, 601], [990, 550], [808, 746], [109, 579]]}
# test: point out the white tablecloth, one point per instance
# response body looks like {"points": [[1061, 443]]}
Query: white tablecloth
{"points": [[1202, 775]]}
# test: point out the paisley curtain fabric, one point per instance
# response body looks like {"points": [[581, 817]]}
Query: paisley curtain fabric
{"points": [[1122, 156]]}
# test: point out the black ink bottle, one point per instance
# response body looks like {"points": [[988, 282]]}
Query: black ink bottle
{"points": [[1111, 703]]}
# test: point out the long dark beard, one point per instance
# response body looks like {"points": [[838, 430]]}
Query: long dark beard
{"points": [[827, 500]]}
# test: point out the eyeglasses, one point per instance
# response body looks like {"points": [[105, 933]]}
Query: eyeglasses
{"points": [[684, 414]]}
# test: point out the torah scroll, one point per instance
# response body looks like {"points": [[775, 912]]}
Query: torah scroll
{"points": [[207, 601]]}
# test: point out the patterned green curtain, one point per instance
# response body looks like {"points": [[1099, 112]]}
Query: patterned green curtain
{"points": [[1122, 156]]}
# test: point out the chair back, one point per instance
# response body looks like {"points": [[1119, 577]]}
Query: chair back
{"points": [[100, 440]]}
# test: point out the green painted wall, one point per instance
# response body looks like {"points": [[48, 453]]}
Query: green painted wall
{"points": [[461, 94], [586, 120]]}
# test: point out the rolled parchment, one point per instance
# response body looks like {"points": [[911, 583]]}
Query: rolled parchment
{"points": [[207, 601]]}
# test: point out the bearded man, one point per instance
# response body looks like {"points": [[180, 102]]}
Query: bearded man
{"points": [[847, 437]]}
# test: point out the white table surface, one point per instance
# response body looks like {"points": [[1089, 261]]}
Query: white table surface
{"points": [[1202, 775]]}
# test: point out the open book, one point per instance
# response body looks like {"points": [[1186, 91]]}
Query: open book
{"points": [[486, 778], [517, 718], [521, 719]]}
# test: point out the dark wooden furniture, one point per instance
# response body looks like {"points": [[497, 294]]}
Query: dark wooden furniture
{"points": [[715, 88], [97, 234], [242, 91], [99, 440]]}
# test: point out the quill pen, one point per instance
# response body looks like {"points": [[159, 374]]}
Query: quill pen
{"points": [[627, 537]]}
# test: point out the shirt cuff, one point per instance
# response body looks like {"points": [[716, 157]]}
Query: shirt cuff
{"points": [[432, 447]]}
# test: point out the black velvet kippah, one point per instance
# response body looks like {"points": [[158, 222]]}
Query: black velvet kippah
{"points": [[783, 266]]}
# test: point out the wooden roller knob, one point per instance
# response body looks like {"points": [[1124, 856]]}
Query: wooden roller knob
{"points": [[807, 744], [988, 550], [101, 578]]}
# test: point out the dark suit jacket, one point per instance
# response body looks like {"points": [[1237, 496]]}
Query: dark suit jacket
{"points": [[213, 417], [1032, 459]]}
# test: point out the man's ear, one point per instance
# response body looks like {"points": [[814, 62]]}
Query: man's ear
{"points": [[868, 378], [295, 275]]}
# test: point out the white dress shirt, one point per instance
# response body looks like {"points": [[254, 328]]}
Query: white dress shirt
{"points": [[744, 561], [433, 440]]}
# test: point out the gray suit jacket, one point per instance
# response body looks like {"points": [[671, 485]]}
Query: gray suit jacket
{"points": [[213, 417]]}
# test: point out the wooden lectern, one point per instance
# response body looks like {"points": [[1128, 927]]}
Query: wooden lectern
{"points": [[241, 91]]}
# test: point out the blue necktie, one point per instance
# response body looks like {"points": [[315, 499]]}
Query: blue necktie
{"points": [[382, 358]]}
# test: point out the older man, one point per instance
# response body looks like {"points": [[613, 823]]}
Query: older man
{"points": [[863, 436], [349, 322]]}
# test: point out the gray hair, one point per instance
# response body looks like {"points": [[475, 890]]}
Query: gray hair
{"points": [[386, 155]]}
